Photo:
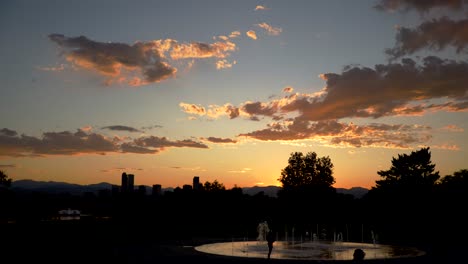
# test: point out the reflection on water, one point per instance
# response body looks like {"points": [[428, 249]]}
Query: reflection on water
{"points": [[308, 250]]}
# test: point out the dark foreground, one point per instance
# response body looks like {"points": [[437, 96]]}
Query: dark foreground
{"points": [[107, 243]]}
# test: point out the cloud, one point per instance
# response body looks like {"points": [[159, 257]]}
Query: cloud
{"points": [[387, 89], [59, 68], [234, 34], [260, 7], [193, 109], [151, 127], [121, 128], [11, 166], [446, 147], [116, 61], [394, 89], [452, 128], [274, 31], [244, 170], [224, 64], [419, 5], [220, 140], [218, 49], [251, 34], [336, 133], [163, 142], [435, 34], [81, 142], [214, 111], [55, 143], [288, 89], [141, 63], [122, 169]]}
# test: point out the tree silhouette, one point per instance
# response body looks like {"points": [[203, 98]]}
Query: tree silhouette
{"points": [[308, 170], [4, 181], [214, 186], [409, 172]]}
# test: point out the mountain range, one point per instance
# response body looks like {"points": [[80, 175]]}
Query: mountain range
{"points": [[77, 189]]}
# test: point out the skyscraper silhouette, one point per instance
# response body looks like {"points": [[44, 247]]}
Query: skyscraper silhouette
{"points": [[123, 187]]}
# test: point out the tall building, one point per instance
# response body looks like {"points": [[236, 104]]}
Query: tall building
{"points": [[131, 183], [196, 183], [156, 190], [123, 187]]}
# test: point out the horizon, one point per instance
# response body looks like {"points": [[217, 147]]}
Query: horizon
{"points": [[227, 90], [170, 187]]}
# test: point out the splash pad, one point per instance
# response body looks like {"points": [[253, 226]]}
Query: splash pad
{"points": [[313, 250]]}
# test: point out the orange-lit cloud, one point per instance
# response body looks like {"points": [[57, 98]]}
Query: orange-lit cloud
{"points": [[224, 64], [141, 63], [81, 142], [260, 7], [193, 109], [394, 89], [335, 133], [446, 147], [235, 34], [453, 128], [251, 34], [274, 31], [435, 35], [218, 49], [419, 5]]}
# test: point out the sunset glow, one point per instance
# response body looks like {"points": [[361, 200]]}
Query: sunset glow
{"points": [[226, 90]]}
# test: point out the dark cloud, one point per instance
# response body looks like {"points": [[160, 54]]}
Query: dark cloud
{"points": [[220, 140], [419, 5], [132, 148], [258, 108], [55, 143], [121, 128], [151, 127], [435, 34], [81, 142], [163, 142], [7, 166], [385, 90], [333, 132], [114, 60]]}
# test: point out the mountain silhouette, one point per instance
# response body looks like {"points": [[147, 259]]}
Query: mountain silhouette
{"points": [[77, 189]]}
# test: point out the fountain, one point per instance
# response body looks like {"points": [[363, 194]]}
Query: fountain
{"points": [[314, 249]]}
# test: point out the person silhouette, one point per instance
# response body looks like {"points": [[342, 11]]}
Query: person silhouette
{"points": [[358, 255], [270, 237]]}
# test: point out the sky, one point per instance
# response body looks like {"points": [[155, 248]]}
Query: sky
{"points": [[227, 90]]}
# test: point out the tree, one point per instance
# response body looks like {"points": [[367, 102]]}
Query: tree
{"points": [[307, 171], [4, 181], [409, 172], [214, 186]]}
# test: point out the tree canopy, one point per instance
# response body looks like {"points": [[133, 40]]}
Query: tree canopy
{"points": [[4, 180], [413, 171], [307, 171]]}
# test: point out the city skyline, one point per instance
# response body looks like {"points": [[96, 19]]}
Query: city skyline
{"points": [[227, 90]]}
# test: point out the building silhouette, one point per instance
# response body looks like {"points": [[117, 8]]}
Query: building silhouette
{"points": [[131, 183], [128, 183], [196, 183], [156, 191], [124, 184]]}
